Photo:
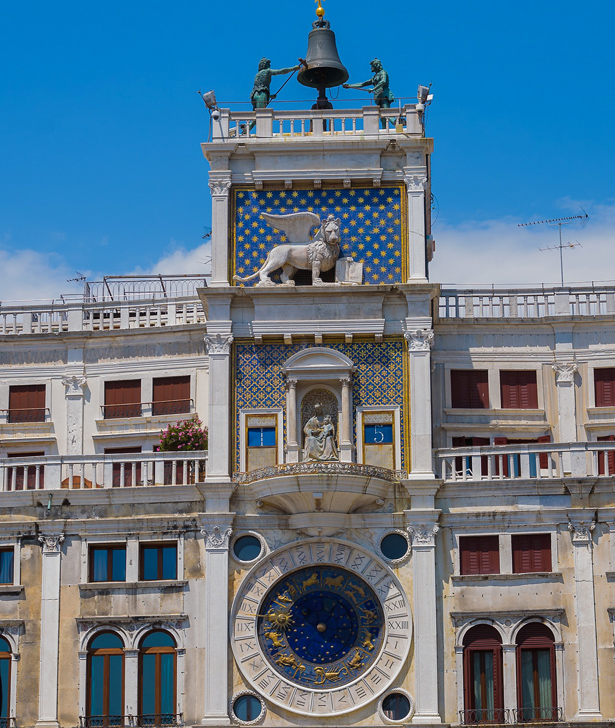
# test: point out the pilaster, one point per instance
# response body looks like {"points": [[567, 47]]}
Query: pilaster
{"points": [[74, 385], [423, 529], [292, 444], [420, 342], [216, 533], [50, 631], [566, 408], [416, 184], [220, 185], [585, 608], [219, 351], [131, 681]]}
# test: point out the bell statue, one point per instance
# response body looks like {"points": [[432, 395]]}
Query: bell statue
{"points": [[261, 93], [380, 83]]}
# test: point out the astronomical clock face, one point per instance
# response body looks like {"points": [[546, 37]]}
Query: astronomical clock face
{"points": [[320, 627]]}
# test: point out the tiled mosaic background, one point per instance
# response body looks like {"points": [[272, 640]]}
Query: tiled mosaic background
{"points": [[378, 380], [372, 226]]}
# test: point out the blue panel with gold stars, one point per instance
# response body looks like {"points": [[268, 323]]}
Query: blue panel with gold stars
{"points": [[378, 380], [373, 229]]}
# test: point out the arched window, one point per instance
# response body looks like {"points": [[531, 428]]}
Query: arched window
{"points": [[5, 681], [482, 668], [105, 696], [536, 689], [157, 679]]}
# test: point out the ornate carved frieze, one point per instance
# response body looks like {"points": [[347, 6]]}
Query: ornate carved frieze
{"points": [[565, 371], [423, 534], [220, 188], [419, 339], [319, 467], [51, 544], [218, 343], [217, 537], [75, 385]]}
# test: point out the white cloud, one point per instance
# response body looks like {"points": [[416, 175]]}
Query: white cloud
{"points": [[183, 262], [28, 275], [498, 251]]}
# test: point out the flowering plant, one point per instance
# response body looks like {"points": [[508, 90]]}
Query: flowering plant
{"points": [[184, 436]]}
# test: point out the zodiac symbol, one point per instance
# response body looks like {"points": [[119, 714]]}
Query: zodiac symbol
{"points": [[275, 638], [369, 615], [284, 599], [354, 588], [330, 674], [356, 662], [292, 590], [287, 660], [311, 581], [367, 643], [334, 582], [280, 619]]}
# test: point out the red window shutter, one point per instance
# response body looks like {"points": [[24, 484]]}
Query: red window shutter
{"points": [[25, 477], [610, 458], [460, 388], [479, 554], [27, 403], [544, 457], [604, 385], [171, 395], [531, 552], [470, 388], [117, 467], [123, 398], [518, 389], [503, 458]]}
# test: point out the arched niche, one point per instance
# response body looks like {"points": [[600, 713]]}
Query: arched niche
{"points": [[313, 374]]}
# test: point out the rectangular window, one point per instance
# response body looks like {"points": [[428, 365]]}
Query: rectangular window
{"points": [[604, 384], [261, 441], [261, 436], [27, 403], [171, 396], [108, 563], [518, 389], [471, 442], [158, 561], [606, 458], [7, 558], [480, 554], [470, 388], [531, 552], [122, 399]]}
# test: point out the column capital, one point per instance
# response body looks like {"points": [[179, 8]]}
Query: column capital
{"points": [[74, 384], [415, 179], [346, 381], [423, 534], [220, 187], [419, 339], [290, 383], [218, 343], [217, 537], [565, 371], [51, 544], [581, 531]]}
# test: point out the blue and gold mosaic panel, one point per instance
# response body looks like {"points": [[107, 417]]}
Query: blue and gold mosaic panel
{"points": [[379, 380], [373, 227]]}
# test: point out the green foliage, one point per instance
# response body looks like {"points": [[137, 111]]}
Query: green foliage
{"points": [[184, 436]]}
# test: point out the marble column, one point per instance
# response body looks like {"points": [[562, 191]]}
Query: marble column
{"points": [[220, 188], [131, 681], [74, 413], [423, 536], [566, 407], [218, 459], [292, 445], [509, 670], [50, 631], [585, 609], [416, 184], [216, 623], [346, 446], [420, 342]]}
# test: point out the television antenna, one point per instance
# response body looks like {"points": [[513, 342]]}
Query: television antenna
{"points": [[559, 221], [77, 280]]}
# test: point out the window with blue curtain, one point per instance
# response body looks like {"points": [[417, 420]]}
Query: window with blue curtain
{"points": [[105, 694], [483, 683], [5, 681], [158, 561], [7, 557], [157, 679], [536, 673]]}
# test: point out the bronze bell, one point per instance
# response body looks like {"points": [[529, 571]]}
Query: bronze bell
{"points": [[324, 68]]}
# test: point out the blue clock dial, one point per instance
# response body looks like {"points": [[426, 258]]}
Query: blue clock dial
{"points": [[322, 626]]}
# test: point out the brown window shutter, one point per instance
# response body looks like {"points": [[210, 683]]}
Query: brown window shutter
{"points": [[171, 395], [503, 458], [604, 385], [518, 389], [470, 388], [479, 554], [460, 388], [123, 398], [531, 552], [27, 403], [610, 458], [544, 457]]}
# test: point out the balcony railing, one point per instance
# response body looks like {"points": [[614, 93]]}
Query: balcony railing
{"points": [[32, 414], [75, 472], [474, 716], [543, 461], [142, 409], [150, 720], [329, 123], [500, 716], [504, 303], [7, 722], [537, 715]]}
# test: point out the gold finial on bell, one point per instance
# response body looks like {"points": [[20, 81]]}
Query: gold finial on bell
{"points": [[320, 11]]}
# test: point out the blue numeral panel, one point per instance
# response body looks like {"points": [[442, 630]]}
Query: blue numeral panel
{"points": [[378, 434], [261, 436]]}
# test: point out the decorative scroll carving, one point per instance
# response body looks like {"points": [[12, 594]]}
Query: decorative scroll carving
{"points": [[581, 531], [51, 544], [423, 534], [320, 468], [220, 188], [74, 385], [218, 344], [419, 339], [217, 537], [565, 371], [416, 182]]}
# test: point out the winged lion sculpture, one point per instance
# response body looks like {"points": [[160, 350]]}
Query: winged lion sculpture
{"points": [[302, 252]]}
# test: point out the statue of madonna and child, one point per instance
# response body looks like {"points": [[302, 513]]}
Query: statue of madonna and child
{"points": [[320, 439]]}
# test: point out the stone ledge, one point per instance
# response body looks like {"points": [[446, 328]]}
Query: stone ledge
{"points": [[118, 586], [11, 589], [532, 576]]}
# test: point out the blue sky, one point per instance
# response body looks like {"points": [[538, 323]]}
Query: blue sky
{"points": [[101, 170]]}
